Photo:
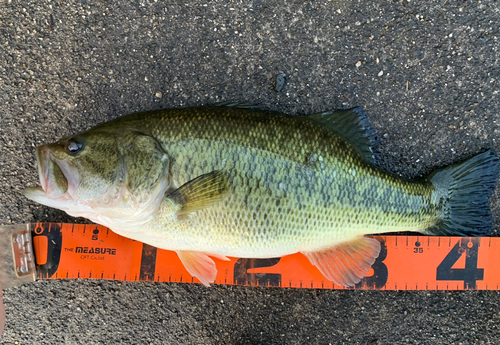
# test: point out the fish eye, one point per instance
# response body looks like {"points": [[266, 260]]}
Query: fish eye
{"points": [[74, 146]]}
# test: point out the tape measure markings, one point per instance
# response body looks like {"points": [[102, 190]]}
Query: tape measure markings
{"points": [[404, 263]]}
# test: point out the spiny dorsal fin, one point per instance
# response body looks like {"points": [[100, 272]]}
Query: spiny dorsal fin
{"points": [[201, 192], [353, 126]]}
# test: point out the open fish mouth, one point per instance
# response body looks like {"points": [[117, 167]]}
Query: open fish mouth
{"points": [[58, 180], [56, 176]]}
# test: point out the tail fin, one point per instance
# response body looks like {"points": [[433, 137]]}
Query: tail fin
{"points": [[463, 190]]}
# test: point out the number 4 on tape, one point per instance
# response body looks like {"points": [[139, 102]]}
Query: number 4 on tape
{"points": [[470, 274], [65, 251]]}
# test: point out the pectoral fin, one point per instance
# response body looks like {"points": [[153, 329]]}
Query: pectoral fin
{"points": [[347, 263], [201, 192], [200, 265]]}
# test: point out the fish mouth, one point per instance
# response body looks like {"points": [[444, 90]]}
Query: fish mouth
{"points": [[43, 158], [57, 178]]}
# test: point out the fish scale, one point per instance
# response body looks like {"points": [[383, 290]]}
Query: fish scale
{"points": [[236, 181], [322, 202]]}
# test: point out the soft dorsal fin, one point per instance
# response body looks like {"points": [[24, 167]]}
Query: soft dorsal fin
{"points": [[201, 192], [353, 126]]}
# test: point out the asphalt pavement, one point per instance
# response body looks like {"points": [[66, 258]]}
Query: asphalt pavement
{"points": [[427, 72]]}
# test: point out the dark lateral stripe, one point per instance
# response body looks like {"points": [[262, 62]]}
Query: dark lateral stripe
{"points": [[148, 263]]}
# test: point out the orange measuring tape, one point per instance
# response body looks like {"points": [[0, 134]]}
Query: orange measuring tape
{"points": [[67, 251]]}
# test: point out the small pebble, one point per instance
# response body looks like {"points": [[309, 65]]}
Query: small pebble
{"points": [[280, 82]]}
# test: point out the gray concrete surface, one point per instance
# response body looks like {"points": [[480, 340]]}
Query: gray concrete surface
{"points": [[427, 72]]}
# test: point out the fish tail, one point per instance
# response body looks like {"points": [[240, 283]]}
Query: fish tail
{"points": [[462, 192]]}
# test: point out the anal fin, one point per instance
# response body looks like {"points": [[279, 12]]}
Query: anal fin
{"points": [[347, 263], [200, 265]]}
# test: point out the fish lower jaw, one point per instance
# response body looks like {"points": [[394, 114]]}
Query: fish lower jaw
{"points": [[38, 195]]}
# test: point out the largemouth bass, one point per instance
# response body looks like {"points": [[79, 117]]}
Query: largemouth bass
{"points": [[236, 181]]}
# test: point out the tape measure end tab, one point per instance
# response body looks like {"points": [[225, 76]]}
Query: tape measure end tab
{"points": [[17, 250]]}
